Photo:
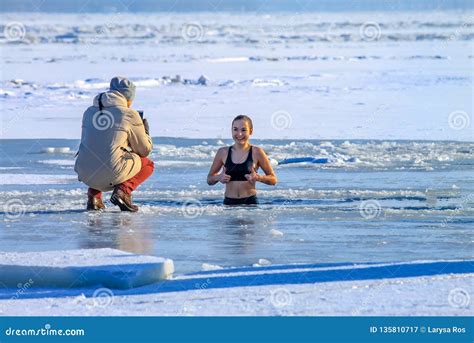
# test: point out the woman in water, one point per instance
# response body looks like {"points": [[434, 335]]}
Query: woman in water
{"points": [[239, 164]]}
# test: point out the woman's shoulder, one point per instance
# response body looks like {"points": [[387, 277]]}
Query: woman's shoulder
{"points": [[222, 150], [258, 150]]}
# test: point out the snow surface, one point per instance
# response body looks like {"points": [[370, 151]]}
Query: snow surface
{"points": [[83, 267], [416, 288], [412, 81]]}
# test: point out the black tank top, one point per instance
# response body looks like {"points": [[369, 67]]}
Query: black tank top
{"points": [[237, 171]]}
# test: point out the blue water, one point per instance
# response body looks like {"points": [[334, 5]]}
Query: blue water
{"points": [[371, 201]]}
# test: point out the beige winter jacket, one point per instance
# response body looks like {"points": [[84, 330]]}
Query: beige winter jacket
{"points": [[112, 142]]}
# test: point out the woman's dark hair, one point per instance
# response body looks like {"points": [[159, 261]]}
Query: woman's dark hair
{"points": [[244, 117]]}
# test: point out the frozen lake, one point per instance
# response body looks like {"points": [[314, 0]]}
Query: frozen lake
{"points": [[381, 100]]}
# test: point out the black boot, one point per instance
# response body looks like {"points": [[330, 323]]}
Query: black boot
{"points": [[123, 200], [94, 204]]}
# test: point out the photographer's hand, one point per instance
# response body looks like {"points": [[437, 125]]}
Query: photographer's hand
{"points": [[147, 128]]}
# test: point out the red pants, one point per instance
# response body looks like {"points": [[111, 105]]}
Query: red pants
{"points": [[131, 184]]}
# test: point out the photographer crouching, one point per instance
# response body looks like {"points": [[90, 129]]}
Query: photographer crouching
{"points": [[115, 143]]}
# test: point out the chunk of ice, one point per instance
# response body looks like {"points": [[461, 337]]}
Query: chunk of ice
{"points": [[84, 267], [207, 266], [276, 233], [262, 262]]}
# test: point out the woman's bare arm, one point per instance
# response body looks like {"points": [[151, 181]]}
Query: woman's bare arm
{"points": [[263, 162], [214, 177]]}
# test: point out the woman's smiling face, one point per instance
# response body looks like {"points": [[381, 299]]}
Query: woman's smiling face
{"points": [[241, 131]]}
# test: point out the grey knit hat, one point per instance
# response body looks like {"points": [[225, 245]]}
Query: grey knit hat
{"points": [[124, 86]]}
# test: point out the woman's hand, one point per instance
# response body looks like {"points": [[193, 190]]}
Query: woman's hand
{"points": [[223, 177], [253, 177]]}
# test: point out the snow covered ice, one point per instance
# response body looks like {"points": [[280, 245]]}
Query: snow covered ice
{"points": [[421, 288], [81, 268]]}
